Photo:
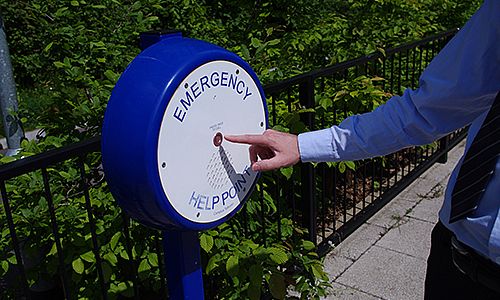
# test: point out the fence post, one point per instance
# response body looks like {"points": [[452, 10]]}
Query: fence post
{"points": [[8, 97], [443, 147], [306, 98]]}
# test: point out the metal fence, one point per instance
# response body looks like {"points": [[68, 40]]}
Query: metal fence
{"points": [[68, 206], [334, 203]]}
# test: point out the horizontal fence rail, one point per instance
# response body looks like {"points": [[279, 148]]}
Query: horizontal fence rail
{"points": [[68, 207]]}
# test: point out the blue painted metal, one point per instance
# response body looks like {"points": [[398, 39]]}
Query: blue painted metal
{"points": [[130, 142], [152, 37], [132, 123], [183, 264]]}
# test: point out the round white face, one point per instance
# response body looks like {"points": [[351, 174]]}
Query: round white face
{"points": [[205, 177]]}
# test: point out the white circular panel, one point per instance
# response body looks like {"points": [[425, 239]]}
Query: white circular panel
{"points": [[202, 181]]}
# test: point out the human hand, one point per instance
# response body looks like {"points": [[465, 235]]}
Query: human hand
{"points": [[275, 149]]}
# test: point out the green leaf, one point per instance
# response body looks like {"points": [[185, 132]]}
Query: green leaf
{"points": [[75, 3], [277, 286], [58, 64], [255, 273], [47, 48], [350, 164], [273, 42], [151, 19], [318, 272], [325, 102], [212, 264], [255, 42], [88, 256], [78, 266], [144, 266], [124, 254], [245, 52], [341, 167], [206, 242], [12, 259], [153, 259], [287, 172], [7, 159], [278, 255], [254, 292], [5, 266], [232, 266], [114, 240], [111, 75], [308, 245], [124, 288], [111, 258]]}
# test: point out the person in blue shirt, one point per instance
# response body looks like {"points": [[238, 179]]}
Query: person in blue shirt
{"points": [[457, 89]]}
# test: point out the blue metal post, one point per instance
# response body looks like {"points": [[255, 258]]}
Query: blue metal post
{"points": [[183, 264]]}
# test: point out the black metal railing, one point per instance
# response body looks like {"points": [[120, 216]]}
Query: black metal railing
{"points": [[334, 203], [329, 200]]}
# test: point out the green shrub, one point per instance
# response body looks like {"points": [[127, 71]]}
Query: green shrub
{"points": [[67, 56]]}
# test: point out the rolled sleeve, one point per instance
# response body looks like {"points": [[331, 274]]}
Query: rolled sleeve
{"points": [[316, 146]]}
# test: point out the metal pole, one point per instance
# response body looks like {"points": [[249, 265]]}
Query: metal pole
{"points": [[306, 97], [8, 97], [183, 264], [443, 147]]}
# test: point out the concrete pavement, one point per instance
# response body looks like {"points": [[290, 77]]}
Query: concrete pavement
{"points": [[386, 257]]}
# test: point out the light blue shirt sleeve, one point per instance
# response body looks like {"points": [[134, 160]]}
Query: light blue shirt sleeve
{"points": [[458, 85], [456, 89]]}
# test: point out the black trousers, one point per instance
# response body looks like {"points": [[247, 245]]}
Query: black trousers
{"points": [[443, 280]]}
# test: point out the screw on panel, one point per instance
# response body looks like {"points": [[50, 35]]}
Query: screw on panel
{"points": [[164, 164]]}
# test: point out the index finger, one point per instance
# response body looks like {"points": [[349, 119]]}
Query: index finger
{"points": [[251, 139]]}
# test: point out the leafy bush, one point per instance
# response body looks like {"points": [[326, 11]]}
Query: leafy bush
{"points": [[72, 52], [67, 55]]}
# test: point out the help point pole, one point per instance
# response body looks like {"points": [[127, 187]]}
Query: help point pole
{"points": [[183, 264]]}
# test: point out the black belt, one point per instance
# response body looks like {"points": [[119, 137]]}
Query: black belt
{"points": [[477, 267]]}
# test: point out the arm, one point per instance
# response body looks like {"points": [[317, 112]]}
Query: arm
{"points": [[459, 85]]}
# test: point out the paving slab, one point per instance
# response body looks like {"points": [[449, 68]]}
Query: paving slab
{"points": [[427, 210], [386, 274], [441, 172], [456, 153], [335, 265], [392, 213], [343, 292], [359, 241], [415, 191], [412, 237], [386, 257], [437, 173]]}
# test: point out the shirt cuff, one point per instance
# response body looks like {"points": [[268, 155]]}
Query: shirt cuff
{"points": [[316, 146]]}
